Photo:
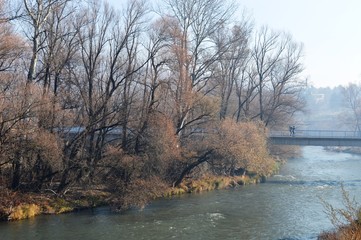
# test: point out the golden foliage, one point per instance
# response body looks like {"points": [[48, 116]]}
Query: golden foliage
{"points": [[24, 211], [162, 149], [139, 193], [16, 206], [209, 183], [243, 145]]}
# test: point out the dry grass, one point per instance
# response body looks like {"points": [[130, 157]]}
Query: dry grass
{"points": [[24, 211], [209, 183], [17, 205]]}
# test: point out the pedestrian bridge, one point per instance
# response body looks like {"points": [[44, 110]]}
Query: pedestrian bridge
{"points": [[316, 138]]}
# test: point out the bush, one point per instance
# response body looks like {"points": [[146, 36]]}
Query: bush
{"points": [[24, 211], [346, 220], [242, 145], [138, 193]]}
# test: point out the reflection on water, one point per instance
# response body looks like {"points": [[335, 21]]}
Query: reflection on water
{"points": [[288, 207]]}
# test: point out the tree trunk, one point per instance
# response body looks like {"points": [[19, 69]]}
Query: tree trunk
{"points": [[191, 166], [15, 183]]}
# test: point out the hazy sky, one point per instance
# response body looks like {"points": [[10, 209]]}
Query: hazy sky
{"points": [[329, 29]]}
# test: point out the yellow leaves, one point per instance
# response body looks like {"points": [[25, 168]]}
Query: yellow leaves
{"points": [[24, 211], [244, 145]]}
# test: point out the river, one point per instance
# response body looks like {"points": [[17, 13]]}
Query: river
{"points": [[287, 206]]}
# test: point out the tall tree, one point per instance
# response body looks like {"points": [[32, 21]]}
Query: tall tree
{"points": [[11, 45], [233, 61], [105, 78], [285, 87], [192, 27], [59, 46], [266, 53], [246, 91], [277, 65], [153, 79], [36, 15]]}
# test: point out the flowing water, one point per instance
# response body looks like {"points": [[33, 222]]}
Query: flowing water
{"points": [[288, 207]]}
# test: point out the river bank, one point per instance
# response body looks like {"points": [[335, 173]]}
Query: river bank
{"points": [[346, 220], [347, 232], [16, 206], [351, 150], [286, 206]]}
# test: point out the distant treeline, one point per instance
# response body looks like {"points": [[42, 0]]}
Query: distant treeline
{"points": [[335, 108]]}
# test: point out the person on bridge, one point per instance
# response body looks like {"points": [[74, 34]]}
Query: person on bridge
{"points": [[292, 131]]}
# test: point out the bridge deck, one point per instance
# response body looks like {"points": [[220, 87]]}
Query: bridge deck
{"points": [[316, 138]]}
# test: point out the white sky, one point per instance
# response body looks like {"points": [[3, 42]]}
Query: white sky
{"points": [[329, 29]]}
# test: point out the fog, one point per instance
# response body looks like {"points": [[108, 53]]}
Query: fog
{"points": [[326, 110]]}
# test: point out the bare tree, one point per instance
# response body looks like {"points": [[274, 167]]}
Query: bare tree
{"points": [[29, 155], [352, 96], [277, 65], [285, 86], [266, 53], [10, 11], [232, 62], [134, 19], [192, 25], [93, 26], [105, 78], [11, 44], [153, 79], [36, 15], [59, 46], [246, 91]]}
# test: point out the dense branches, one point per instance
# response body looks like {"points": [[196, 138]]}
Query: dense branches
{"points": [[91, 95]]}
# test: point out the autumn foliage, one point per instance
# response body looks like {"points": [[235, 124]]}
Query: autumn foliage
{"points": [[242, 146]]}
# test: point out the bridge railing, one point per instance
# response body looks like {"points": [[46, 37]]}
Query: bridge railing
{"points": [[317, 134]]}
